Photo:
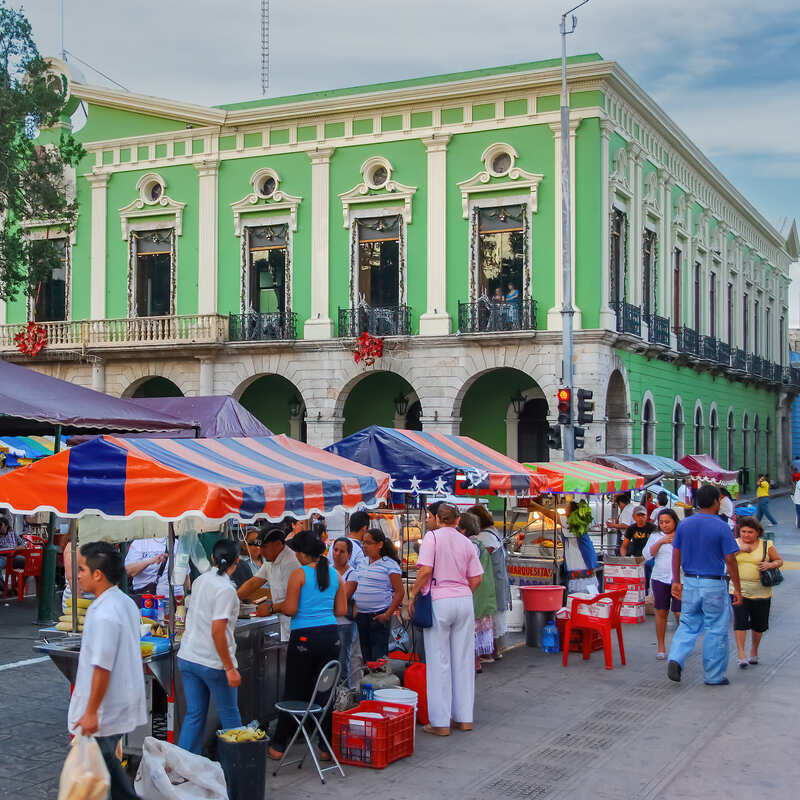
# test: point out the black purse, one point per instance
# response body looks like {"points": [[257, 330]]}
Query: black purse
{"points": [[423, 604], [773, 576]]}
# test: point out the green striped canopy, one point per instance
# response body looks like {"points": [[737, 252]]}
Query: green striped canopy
{"points": [[585, 477]]}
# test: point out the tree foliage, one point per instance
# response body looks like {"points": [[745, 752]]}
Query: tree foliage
{"points": [[33, 186]]}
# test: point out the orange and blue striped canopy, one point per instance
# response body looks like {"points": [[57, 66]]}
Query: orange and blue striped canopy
{"points": [[245, 478], [585, 477]]}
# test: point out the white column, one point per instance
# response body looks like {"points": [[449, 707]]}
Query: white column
{"points": [[97, 297], [722, 285], [320, 325], [296, 427], [512, 435], [687, 306], [324, 431], [663, 265], [637, 225], [208, 226], [206, 377], [554, 314], [99, 376], [739, 328], [668, 246], [608, 319], [2, 312], [436, 321]]}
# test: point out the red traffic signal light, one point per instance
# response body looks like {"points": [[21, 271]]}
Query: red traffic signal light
{"points": [[564, 406], [563, 395]]}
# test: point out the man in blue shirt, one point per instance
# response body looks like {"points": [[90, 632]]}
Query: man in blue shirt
{"points": [[703, 547]]}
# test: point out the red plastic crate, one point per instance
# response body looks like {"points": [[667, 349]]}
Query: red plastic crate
{"points": [[576, 639], [367, 742]]}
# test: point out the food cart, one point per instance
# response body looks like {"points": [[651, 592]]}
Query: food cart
{"points": [[150, 486]]}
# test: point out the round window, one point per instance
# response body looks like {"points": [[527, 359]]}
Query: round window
{"points": [[501, 163], [379, 176], [268, 186], [156, 190]]}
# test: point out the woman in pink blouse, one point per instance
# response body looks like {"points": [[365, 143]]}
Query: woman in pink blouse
{"points": [[449, 568]]}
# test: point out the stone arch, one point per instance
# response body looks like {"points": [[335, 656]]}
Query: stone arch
{"points": [[698, 423], [153, 386], [272, 398], [618, 417], [648, 423]]}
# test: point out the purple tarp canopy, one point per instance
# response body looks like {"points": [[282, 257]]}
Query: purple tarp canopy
{"points": [[33, 403]]}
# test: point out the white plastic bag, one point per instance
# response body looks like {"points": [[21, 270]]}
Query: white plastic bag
{"points": [[84, 775], [167, 772]]}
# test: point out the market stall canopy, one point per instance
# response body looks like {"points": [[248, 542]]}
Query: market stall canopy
{"points": [[437, 463], [585, 477], [703, 468], [34, 403], [629, 463], [669, 467], [21, 450], [214, 416], [243, 478]]}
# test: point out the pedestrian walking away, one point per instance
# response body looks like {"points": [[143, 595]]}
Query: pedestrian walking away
{"points": [[703, 547], [659, 548], [762, 500], [796, 501], [109, 697], [755, 555], [207, 655]]}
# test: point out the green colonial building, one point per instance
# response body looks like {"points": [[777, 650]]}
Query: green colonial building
{"points": [[241, 250]]}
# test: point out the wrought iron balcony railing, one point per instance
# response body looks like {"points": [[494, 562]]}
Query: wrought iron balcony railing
{"points": [[489, 316], [708, 348], [658, 330], [754, 365], [254, 326], [688, 341], [794, 375], [723, 354], [629, 318], [738, 359], [377, 321]]}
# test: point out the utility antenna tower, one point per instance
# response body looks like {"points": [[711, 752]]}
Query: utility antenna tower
{"points": [[264, 47]]}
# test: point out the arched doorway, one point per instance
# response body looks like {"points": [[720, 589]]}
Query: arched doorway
{"points": [[617, 416], [699, 444], [648, 428], [496, 410], [380, 398], [677, 432], [277, 403], [713, 429], [155, 387]]}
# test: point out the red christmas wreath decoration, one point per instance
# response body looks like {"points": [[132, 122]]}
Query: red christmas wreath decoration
{"points": [[32, 339], [368, 348]]}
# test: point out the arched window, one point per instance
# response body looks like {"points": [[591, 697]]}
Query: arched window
{"points": [[677, 432], [698, 430], [648, 428], [713, 427], [746, 441], [757, 445], [768, 446], [731, 431]]}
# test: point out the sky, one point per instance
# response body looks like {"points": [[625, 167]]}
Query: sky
{"points": [[727, 71]]}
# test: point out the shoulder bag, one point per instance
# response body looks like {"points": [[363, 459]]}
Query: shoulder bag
{"points": [[423, 605], [773, 576]]}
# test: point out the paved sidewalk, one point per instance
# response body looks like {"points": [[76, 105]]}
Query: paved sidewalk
{"points": [[541, 731]]}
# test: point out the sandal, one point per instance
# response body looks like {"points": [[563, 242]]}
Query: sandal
{"points": [[661, 656], [753, 660], [742, 663], [275, 755]]}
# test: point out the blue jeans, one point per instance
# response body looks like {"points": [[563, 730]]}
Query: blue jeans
{"points": [[347, 633], [121, 784], [762, 510], [199, 684], [797, 514], [705, 606]]}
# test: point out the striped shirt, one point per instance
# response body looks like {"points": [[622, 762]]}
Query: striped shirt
{"points": [[374, 591]]}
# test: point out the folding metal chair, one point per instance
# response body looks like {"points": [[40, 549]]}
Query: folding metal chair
{"points": [[300, 711]]}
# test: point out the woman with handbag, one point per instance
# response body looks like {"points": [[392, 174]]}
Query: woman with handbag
{"points": [[448, 570], [759, 570]]}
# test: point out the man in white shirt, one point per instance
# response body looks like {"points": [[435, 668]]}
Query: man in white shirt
{"points": [[359, 523], [279, 563], [685, 492], [625, 516], [146, 565], [109, 697]]}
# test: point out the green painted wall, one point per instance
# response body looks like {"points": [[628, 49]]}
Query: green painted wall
{"points": [[371, 402], [535, 146], [267, 399], [111, 123], [410, 167], [666, 381], [485, 405], [588, 222]]}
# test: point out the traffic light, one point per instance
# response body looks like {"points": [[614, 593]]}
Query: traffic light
{"points": [[585, 407], [554, 437], [564, 406], [579, 434]]}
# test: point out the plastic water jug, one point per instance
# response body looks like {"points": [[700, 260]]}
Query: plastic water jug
{"points": [[550, 637]]}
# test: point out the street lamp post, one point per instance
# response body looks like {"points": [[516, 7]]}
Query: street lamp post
{"points": [[567, 311]]}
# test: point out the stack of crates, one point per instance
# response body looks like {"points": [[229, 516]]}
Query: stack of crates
{"points": [[622, 571]]}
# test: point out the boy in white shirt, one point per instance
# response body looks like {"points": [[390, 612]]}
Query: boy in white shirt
{"points": [[109, 696]]}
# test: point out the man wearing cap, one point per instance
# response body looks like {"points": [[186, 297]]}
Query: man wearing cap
{"points": [[279, 563], [635, 538]]}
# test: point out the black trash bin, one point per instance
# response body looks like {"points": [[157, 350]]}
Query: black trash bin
{"points": [[534, 626], [245, 768]]}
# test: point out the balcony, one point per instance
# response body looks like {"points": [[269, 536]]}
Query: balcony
{"points": [[256, 327], [794, 376], [110, 333], [629, 318], [738, 359], [723, 354], [708, 348], [775, 373], [378, 321], [754, 365], [688, 341], [490, 316], [658, 330]]}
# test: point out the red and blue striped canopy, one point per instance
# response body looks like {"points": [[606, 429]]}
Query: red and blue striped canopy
{"points": [[244, 478], [423, 462]]}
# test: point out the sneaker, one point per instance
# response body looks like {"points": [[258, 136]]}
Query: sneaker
{"points": [[742, 663], [753, 660], [674, 671], [723, 682]]}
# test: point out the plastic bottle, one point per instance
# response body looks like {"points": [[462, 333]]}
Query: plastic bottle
{"points": [[366, 691], [550, 643]]}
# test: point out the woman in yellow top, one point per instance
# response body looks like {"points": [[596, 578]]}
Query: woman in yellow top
{"points": [[762, 500], [753, 558]]}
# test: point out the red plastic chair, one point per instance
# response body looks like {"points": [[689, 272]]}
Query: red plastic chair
{"points": [[33, 568], [603, 626]]}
